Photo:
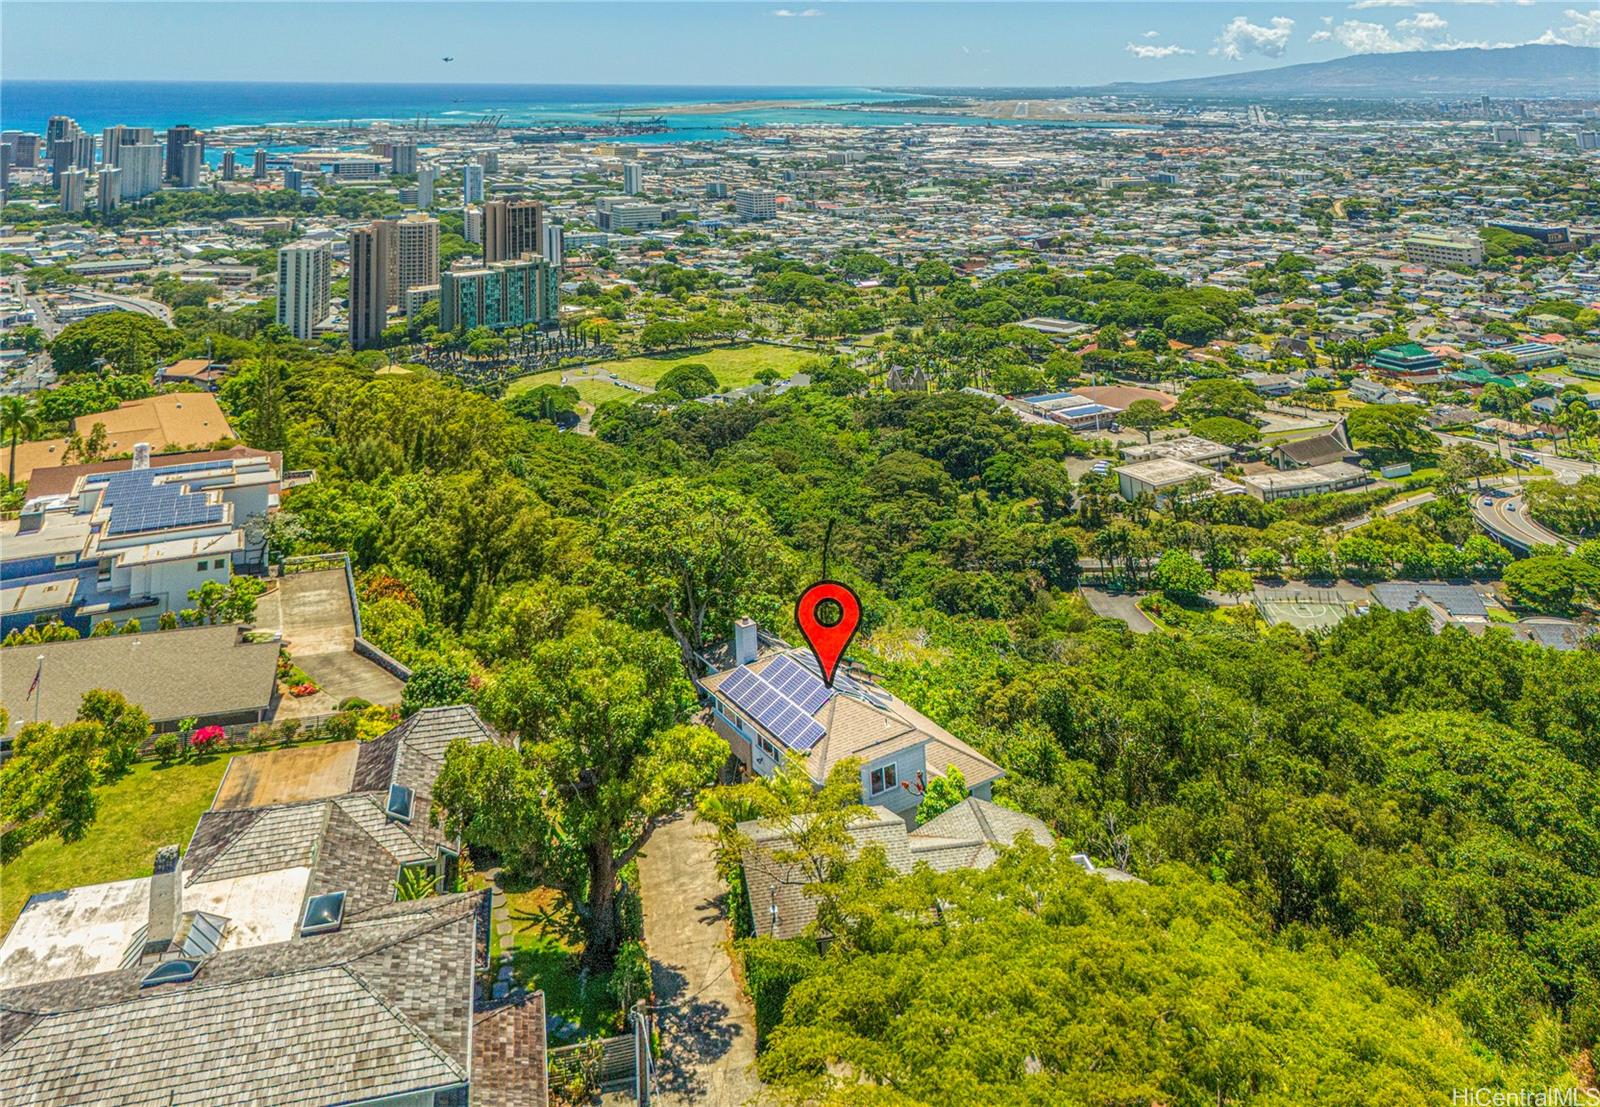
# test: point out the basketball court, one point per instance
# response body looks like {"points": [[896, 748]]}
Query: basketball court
{"points": [[287, 776], [1309, 610]]}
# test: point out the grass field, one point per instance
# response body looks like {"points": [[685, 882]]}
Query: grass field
{"points": [[149, 808], [733, 366], [546, 959]]}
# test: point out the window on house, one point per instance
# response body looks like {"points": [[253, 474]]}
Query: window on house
{"points": [[218, 563], [201, 567], [884, 780]]}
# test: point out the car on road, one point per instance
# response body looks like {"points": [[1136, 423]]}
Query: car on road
{"points": [[1511, 507], [1488, 501]]}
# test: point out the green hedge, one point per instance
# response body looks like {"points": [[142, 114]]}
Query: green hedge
{"points": [[771, 968]]}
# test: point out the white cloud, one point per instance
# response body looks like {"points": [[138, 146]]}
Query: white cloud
{"points": [[1140, 50], [785, 13], [1363, 5], [1152, 34], [1361, 37], [1584, 30], [1423, 31], [1424, 24], [1241, 37]]}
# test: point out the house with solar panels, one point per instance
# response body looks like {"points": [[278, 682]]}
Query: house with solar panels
{"points": [[274, 960], [131, 542], [770, 704]]}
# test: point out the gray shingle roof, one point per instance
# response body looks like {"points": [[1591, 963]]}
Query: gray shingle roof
{"points": [[968, 836], [208, 672], [378, 1008]]}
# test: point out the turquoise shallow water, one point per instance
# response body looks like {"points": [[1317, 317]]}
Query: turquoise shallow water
{"points": [[27, 105]]}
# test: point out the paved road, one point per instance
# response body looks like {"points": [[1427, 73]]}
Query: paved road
{"points": [[1393, 507], [1507, 517], [1109, 605], [1566, 470], [708, 1027], [134, 303]]}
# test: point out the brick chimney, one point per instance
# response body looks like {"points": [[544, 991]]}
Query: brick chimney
{"points": [[166, 903]]}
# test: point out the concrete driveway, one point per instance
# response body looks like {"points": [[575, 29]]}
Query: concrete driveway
{"points": [[312, 611], [708, 1027], [1112, 605]]}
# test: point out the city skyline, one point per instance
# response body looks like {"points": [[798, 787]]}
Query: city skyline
{"points": [[797, 45]]}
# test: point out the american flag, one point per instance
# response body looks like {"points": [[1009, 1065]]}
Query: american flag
{"points": [[34, 687]]}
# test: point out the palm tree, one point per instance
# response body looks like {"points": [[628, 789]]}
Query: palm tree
{"points": [[16, 420]]}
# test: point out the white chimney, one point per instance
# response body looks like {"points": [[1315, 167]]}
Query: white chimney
{"points": [[744, 641], [141, 455], [166, 902]]}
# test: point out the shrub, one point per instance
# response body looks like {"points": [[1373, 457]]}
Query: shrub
{"points": [[300, 691], [630, 979], [168, 748], [771, 968], [341, 727], [206, 738]]}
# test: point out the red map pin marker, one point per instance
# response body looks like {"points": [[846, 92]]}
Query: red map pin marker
{"points": [[828, 643]]}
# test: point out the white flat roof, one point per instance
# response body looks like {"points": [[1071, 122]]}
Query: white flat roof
{"points": [[181, 549], [87, 929], [1162, 471], [1309, 477], [44, 596]]}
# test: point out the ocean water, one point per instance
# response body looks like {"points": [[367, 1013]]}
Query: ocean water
{"points": [[208, 105]]}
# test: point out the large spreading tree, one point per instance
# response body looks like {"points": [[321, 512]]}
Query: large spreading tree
{"points": [[606, 754], [688, 559]]}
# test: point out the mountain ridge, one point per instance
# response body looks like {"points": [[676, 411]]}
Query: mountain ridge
{"points": [[1534, 70]]}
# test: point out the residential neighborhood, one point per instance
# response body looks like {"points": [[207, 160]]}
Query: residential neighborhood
{"points": [[861, 554]]}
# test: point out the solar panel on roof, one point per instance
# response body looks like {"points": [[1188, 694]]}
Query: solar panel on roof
{"points": [[775, 711], [138, 502], [800, 685]]}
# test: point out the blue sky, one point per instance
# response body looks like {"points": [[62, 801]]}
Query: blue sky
{"points": [[793, 42]]}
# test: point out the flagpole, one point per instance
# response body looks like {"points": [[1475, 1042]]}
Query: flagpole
{"points": [[38, 686]]}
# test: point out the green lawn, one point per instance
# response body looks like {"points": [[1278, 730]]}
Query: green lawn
{"points": [[546, 958], [149, 808], [594, 391], [733, 366]]}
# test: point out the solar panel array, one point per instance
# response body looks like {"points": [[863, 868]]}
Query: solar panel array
{"points": [[140, 503], [781, 715], [799, 684]]}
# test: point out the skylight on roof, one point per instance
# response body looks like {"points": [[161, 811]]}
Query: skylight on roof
{"points": [[323, 913], [399, 805], [170, 972]]}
